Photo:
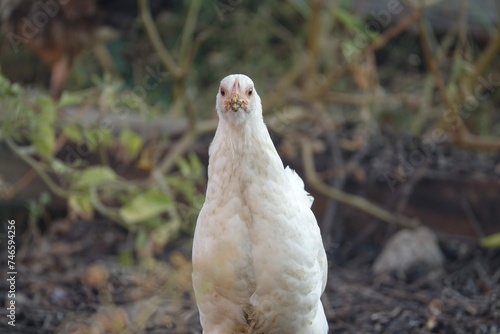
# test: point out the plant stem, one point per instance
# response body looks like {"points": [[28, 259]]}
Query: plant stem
{"points": [[357, 202], [38, 168], [157, 42]]}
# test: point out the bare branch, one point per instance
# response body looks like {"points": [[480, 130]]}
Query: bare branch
{"points": [[354, 201], [156, 40]]}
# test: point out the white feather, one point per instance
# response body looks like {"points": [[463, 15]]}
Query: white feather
{"points": [[259, 265], [298, 186]]}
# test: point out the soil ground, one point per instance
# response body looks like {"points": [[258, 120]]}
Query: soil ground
{"points": [[74, 278]]}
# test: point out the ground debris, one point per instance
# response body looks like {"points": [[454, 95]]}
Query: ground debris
{"points": [[63, 295], [452, 300], [407, 248]]}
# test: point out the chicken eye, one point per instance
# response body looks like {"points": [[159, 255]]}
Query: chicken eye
{"points": [[250, 92], [222, 92]]}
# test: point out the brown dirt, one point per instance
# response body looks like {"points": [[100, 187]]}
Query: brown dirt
{"points": [[73, 278]]}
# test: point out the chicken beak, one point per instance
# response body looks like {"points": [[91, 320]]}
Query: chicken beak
{"points": [[235, 101]]}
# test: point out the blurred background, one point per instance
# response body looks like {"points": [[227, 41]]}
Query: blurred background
{"points": [[388, 109]]}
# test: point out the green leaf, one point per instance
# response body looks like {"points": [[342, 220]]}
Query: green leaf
{"points": [[97, 137], [70, 99], [145, 206], [181, 185], [348, 20], [492, 241], [132, 142], [81, 205], [362, 32], [166, 232], [141, 239], [94, 176], [8, 89], [42, 133], [62, 172], [184, 167], [196, 166], [191, 167], [47, 110], [74, 133], [44, 140]]}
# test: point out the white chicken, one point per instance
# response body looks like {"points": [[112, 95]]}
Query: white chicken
{"points": [[259, 265]]}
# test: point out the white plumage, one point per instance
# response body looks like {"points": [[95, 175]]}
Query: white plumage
{"points": [[259, 265]]}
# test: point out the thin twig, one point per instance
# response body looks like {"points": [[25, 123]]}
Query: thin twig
{"points": [[31, 174], [488, 55], [405, 191], [337, 162], [424, 110], [38, 168], [181, 100], [459, 130], [20, 184], [275, 98], [479, 142], [410, 99], [202, 36], [461, 135], [110, 213], [187, 140], [187, 33], [351, 200], [471, 217], [177, 150], [324, 87], [313, 40], [392, 32], [156, 40]]}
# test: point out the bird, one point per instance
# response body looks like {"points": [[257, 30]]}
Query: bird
{"points": [[60, 30], [259, 264]]}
